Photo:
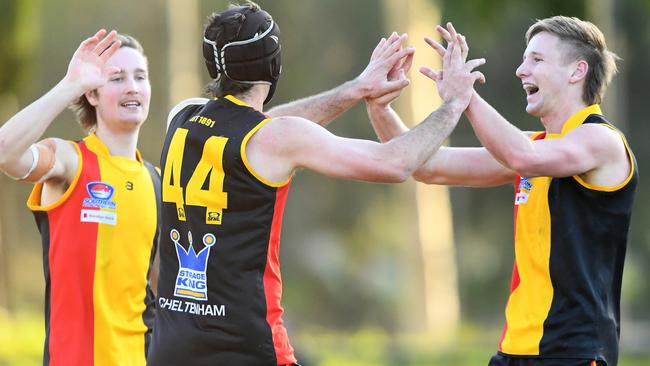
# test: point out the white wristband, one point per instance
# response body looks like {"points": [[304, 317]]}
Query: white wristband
{"points": [[35, 157]]}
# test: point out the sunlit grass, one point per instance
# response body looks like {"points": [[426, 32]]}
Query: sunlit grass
{"points": [[21, 340], [375, 347], [21, 337]]}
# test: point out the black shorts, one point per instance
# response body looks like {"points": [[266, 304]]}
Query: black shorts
{"points": [[501, 360]]}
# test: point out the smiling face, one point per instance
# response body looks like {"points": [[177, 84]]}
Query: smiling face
{"points": [[546, 75], [123, 102]]}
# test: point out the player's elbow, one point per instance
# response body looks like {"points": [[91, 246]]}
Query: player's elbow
{"points": [[524, 166], [423, 176], [395, 175], [396, 171], [400, 177], [428, 175]]}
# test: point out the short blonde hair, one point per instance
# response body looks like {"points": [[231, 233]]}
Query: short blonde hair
{"points": [[584, 41], [85, 112]]}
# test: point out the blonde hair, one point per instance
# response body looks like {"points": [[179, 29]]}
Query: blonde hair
{"points": [[85, 112], [583, 41]]}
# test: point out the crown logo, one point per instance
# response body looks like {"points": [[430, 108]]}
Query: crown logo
{"points": [[192, 280]]}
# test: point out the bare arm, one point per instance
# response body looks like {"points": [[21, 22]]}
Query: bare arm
{"points": [[385, 121], [27, 126], [464, 166], [304, 144], [373, 81], [584, 150], [448, 166], [324, 107], [595, 152], [285, 144], [471, 167]]}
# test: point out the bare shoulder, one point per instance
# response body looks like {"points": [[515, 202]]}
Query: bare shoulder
{"points": [[288, 126], [286, 122], [603, 140], [283, 134], [68, 156]]}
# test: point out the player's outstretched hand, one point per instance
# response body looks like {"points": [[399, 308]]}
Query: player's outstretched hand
{"points": [[456, 79], [87, 70], [384, 73]]}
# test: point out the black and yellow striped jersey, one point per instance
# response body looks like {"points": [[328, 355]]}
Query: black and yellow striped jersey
{"points": [[570, 243], [219, 288]]}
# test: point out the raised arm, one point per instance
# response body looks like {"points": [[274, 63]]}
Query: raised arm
{"points": [[54, 158], [372, 82], [473, 167], [304, 144], [592, 150]]}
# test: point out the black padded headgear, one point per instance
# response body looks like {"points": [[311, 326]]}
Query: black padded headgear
{"points": [[252, 56]]}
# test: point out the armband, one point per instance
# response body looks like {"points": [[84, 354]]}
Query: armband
{"points": [[44, 157]]}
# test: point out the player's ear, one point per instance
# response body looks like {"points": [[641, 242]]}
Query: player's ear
{"points": [[92, 97], [580, 71]]}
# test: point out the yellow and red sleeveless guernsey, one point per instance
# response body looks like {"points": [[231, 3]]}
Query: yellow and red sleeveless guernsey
{"points": [[570, 243], [98, 243], [220, 288]]}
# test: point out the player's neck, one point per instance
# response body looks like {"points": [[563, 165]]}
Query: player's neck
{"points": [[119, 143], [255, 96], [554, 120]]}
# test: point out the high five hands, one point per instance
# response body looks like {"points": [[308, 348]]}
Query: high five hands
{"points": [[454, 82], [456, 79]]}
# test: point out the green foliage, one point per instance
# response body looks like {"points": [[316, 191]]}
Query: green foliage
{"points": [[18, 37], [349, 257]]}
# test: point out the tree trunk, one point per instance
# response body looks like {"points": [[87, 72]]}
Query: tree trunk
{"points": [[183, 49], [602, 13], [418, 18]]}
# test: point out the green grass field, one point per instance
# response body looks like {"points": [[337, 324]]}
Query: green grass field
{"points": [[21, 337]]}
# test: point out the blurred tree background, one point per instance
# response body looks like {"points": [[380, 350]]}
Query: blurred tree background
{"points": [[373, 274]]}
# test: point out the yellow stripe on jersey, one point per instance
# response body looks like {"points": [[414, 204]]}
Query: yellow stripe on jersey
{"points": [[237, 101], [579, 117], [116, 299], [530, 302]]}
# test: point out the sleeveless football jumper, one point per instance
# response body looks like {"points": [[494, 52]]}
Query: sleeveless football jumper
{"points": [[570, 243], [220, 287], [99, 240]]}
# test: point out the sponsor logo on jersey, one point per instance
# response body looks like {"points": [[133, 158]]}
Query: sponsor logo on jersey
{"points": [[98, 216], [192, 280], [524, 191], [100, 195]]}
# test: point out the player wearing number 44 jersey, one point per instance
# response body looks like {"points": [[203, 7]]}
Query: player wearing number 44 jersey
{"points": [[227, 168]]}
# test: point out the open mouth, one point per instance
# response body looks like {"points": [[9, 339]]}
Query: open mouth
{"points": [[130, 104], [531, 89]]}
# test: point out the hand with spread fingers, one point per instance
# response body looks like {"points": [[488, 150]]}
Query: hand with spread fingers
{"points": [[397, 73], [86, 70], [382, 75], [456, 79]]}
